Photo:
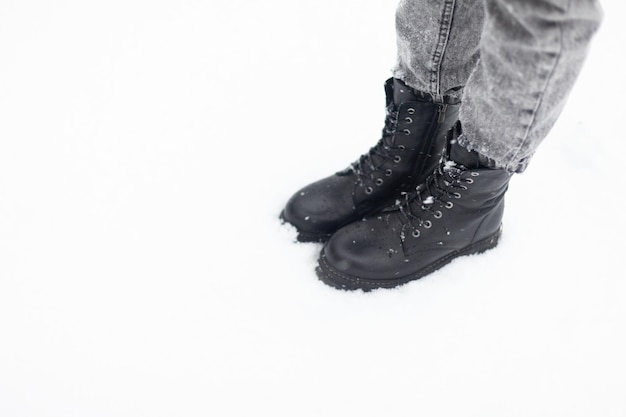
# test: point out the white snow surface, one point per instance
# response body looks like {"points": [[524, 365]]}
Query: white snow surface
{"points": [[146, 150]]}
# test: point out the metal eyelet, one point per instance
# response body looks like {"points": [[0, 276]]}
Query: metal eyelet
{"points": [[456, 195], [449, 205], [415, 233], [463, 187], [411, 110], [438, 214], [388, 172], [408, 120], [469, 181], [369, 190], [428, 224], [474, 174], [379, 181], [401, 147], [397, 159], [407, 132]]}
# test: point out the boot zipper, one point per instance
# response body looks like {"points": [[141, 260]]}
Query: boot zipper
{"points": [[442, 112]]}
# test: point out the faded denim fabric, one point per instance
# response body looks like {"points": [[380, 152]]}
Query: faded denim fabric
{"points": [[514, 63]]}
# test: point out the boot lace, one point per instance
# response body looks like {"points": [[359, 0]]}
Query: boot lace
{"points": [[432, 198], [369, 163]]}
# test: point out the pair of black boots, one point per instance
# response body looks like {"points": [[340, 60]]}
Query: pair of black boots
{"points": [[409, 206]]}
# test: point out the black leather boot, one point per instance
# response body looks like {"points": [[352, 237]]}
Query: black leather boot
{"points": [[409, 150], [457, 211]]}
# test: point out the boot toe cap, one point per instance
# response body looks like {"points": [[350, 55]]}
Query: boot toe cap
{"points": [[320, 207], [358, 251]]}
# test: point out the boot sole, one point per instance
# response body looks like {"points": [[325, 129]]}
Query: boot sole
{"points": [[330, 276]]}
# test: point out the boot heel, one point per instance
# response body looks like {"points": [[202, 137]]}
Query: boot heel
{"points": [[483, 245]]}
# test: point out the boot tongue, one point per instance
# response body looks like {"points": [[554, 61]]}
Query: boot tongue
{"points": [[459, 154], [469, 159], [462, 156], [403, 93]]}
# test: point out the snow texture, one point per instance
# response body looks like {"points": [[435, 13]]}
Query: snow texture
{"points": [[146, 150]]}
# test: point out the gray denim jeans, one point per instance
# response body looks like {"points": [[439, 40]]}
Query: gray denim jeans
{"points": [[513, 62]]}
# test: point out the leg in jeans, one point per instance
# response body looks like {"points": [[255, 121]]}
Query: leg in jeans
{"points": [[438, 43], [531, 54], [517, 59]]}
